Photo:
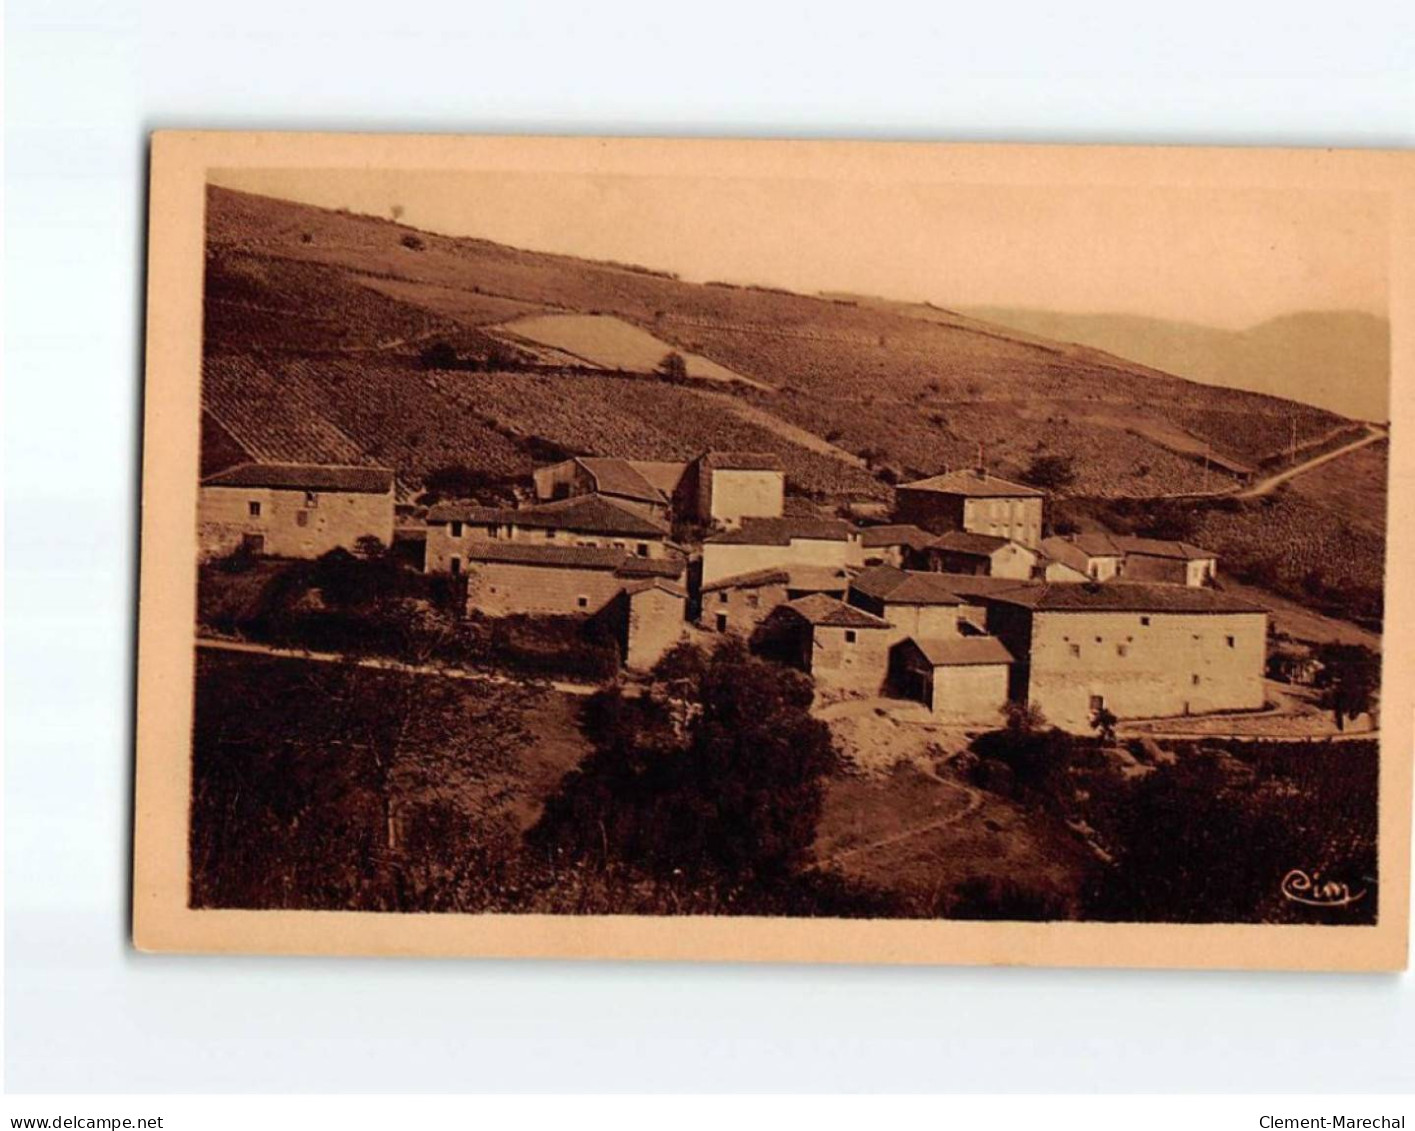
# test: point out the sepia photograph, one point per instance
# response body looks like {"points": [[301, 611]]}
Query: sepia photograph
{"points": [[771, 550]]}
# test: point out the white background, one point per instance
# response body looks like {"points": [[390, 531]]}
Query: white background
{"points": [[87, 80]]}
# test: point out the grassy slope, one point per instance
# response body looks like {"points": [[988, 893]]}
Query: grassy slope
{"points": [[915, 392]]}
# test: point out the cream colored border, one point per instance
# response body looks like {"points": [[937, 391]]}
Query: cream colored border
{"points": [[162, 921]]}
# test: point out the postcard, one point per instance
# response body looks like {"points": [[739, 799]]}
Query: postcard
{"points": [[776, 551]]}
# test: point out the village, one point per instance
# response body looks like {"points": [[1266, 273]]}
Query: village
{"points": [[959, 603]]}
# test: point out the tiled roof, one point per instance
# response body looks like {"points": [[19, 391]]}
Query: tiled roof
{"points": [[535, 554], [741, 461], [304, 477], [1163, 548], [587, 514], [821, 610], [904, 587], [973, 484], [660, 583], [959, 651], [780, 531], [661, 474], [895, 534], [633, 566], [966, 542], [1124, 596], [773, 575], [620, 477], [1068, 553]]}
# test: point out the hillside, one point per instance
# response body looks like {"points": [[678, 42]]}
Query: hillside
{"points": [[1338, 360], [322, 317]]}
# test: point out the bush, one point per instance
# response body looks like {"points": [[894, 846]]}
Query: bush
{"points": [[412, 242]]}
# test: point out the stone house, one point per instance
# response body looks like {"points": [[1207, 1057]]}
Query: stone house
{"points": [[1100, 556], [581, 520], [915, 604], [741, 602], [961, 551], [763, 543], [637, 485], [1140, 650], [647, 619], [723, 488], [507, 578], [293, 510], [842, 647], [961, 679], [974, 501]]}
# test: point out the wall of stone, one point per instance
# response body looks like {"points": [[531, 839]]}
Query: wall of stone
{"points": [[293, 524]]}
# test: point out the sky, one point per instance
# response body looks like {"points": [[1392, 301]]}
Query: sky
{"points": [[1230, 258]]}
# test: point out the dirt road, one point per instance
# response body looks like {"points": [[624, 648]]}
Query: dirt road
{"points": [[1272, 482]]}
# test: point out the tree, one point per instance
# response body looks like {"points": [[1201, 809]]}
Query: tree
{"points": [[731, 797], [1103, 722], [673, 367], [1050, 472], [1349, 679], [396, 211]]}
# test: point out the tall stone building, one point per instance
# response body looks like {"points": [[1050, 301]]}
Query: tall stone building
{"points": [[974, 501]]}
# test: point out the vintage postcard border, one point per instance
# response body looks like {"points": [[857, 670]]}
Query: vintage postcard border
{"points": [[166, 651]]}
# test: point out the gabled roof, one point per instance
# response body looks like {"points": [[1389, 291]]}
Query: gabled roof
{"points": [[633, 588], [1068, 553], [959, 651], [586, 514], [620, 477], [741, 461], [895, 534], [966, 542], [1124, 596], [974, 484], [780, 531], [904, 587], [661, 474], [304, 477], [1163, 548], [821, 610]]}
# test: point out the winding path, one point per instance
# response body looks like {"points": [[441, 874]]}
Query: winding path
{"points": [[1272, 482]]}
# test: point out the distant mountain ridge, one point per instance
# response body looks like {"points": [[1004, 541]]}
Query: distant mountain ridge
{"points": [[1338, 360]]}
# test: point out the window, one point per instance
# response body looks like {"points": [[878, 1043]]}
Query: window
{"points": [[722, 596], [311, 499], [1094, 569], [1097, 702], [721, 622], [302, 518], [1194, 679], [582, 602], [753, 599], [456, 530], [1075, 649], [1231, 641], [253, 509], [550, 534], [1144, 620], [1099, 640], [849, 636], [643, 549], [1122, 649], [493, 531], [620, 546], [455, 565]]}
